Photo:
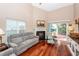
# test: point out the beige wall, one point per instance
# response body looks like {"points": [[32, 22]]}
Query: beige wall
{"points": [[15, 11], [19, 11], [29, 14], [77, 10], [39, 14], [76, 16], [64, 13]]}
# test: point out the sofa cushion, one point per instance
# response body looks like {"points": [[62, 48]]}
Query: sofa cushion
{"points": [[20, 47], [27, 42], [13, 44], [28, 33], [31, 36], [25, 38], [17, 40], [28, 37]]}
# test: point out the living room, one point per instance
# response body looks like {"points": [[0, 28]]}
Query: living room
{"points": [[35, 21]]}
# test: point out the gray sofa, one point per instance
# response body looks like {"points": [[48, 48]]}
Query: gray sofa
{"points": [[21, 42]]}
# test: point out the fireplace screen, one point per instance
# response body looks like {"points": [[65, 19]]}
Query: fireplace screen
{"points": [[41, 35]]}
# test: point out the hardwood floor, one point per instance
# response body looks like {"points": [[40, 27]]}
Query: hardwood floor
{"points": [[45, 49]]}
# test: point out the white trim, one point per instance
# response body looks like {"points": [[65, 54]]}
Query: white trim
{"points": [[71, 50], [59, 21]]}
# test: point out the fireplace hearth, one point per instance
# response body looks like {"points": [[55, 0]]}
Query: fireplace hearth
{"points": [[41, 35]]}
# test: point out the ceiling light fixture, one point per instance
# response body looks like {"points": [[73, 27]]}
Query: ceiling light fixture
{"points": [[40, 3]]}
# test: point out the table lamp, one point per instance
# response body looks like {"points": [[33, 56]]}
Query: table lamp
{"points": [[1, 34], [71, 29]]}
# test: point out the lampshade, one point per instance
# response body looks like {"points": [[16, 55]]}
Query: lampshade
{"points": [[1, 32]]}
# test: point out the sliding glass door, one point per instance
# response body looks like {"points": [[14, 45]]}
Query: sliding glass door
{"points": [[62, 28], [58, 28]]}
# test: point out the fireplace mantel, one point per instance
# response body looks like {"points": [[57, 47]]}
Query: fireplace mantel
{"points": [[40, 29]]}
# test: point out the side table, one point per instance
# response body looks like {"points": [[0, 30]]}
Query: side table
{"points": [[3, 46], [6, 51]]}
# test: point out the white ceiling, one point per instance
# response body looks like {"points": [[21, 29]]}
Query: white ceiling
{"points": [[51, 6]]}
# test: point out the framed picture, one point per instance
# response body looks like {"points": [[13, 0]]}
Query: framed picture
{"points": [[40, 23]]}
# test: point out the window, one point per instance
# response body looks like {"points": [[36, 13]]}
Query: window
{"points": [[62, 29], [58, 28], [14, 27]]}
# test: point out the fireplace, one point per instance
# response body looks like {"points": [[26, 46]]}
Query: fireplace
{"points": [[41, 35]]}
